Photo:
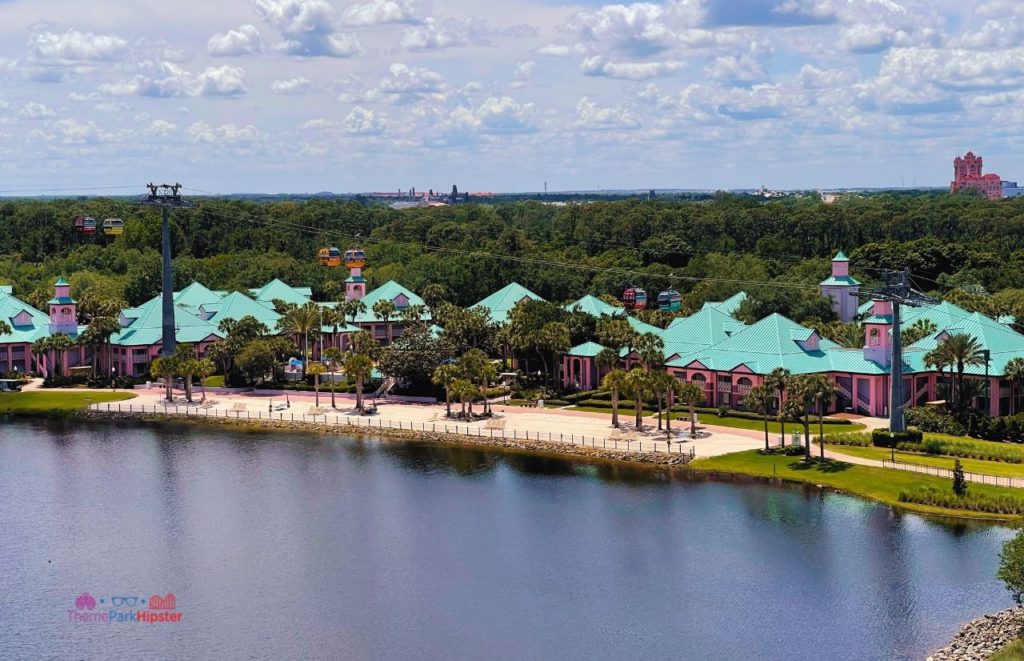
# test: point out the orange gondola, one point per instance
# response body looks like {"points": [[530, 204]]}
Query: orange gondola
{"points": [[355, 258], [330, 257]]}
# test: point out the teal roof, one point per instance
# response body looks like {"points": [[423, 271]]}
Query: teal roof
{"points": [[27, 323], [6, 289], [643, 328], [61, 300], [943, 315], [143, 326], [865, 308], [840, 281], [390, 291], [586, 350], [61, 282], [879, 319], [277, 290], [1003, 342], [704, 329], [236, 305], [195, 295], [501, 302], [840, 257], [729, 305], [595, 307]]}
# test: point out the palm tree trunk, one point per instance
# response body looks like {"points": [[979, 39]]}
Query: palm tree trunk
{"points": [[615, 408], [766, 448], [821, 426], [202, 386], [668, 414], [333, 404], [659, 412], [448, 402], [693, 420], [639, 407], [359, 395], [316, 389], [807, 432]]}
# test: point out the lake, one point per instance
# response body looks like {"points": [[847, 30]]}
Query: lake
{"points": [[305, 547]]}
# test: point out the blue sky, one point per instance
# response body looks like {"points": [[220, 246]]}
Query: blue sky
{"points": [[312, 95]]}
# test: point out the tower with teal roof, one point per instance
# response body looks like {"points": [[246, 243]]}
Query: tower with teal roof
{"points": [[63, 310], [842, 289]]}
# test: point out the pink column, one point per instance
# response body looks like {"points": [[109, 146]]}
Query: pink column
{"points": [[993, 397]]}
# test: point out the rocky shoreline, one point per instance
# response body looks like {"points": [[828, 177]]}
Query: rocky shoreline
{"points": [[982, 638], [540, 447]]}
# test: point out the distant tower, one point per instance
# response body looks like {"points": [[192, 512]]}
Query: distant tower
{"points": [[842, 289], [63, 309], [967, 173], [355, 284]]}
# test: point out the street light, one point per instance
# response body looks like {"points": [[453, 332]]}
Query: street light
{"points": [[892, 447], [988, 385]]}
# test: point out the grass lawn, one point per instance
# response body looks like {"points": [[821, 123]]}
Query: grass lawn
{"points": [[215, 381], [1002, 468], [1012, 652], [882, 484], [59, 401], [734, 422]]}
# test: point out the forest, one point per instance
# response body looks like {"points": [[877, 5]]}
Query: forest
{"points": [[960, 247]]}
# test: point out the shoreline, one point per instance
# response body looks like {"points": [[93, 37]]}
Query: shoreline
{"points": [[980, 638]]}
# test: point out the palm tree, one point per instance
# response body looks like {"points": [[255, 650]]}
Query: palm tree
{"points": [[1014, 371], [651, 349], [298, 323], [5, 328], [606, 359], [335, 318], [98, 335], [60, 344], [333, 357], [413, 314], [638, 384], [353, 308], [803, 392], [385, 310], [433, 295], [823, 390], [359, 368], [760, 399], [959, 351], [777, 382], [41, 347], [444, 376], [615, 381], [185, 366], [691, 394], [316, 369], [204, 369], [660, 382], [921, 328], [163, 367], [465, 391]]}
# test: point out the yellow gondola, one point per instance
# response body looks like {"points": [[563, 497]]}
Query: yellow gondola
{"points": [[355, 258], [113, 226], [330, 257]]}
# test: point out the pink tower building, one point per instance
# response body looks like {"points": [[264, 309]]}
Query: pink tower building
{"points": [[967, 173]]}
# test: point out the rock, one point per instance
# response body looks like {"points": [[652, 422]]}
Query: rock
{"points": [[980, 639]]}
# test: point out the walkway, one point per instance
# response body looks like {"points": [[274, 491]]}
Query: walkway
{"points": [[980, 478]]}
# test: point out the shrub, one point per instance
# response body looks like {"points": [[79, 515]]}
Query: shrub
{"points": [[861, 440], [975, 502], [934, 420], [969, 449], [884, 439], [959, 480], [723, 411]]}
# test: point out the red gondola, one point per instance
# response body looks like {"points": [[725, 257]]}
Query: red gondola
{"points": [[85, 225], [634, 298]]}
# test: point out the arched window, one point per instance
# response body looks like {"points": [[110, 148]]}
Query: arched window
{"points": [[873, 337], [699, 379]]}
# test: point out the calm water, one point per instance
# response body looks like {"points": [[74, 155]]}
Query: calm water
{"points": [[304, 548]]}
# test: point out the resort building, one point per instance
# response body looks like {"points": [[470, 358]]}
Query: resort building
{"points": [[967, 173], [28, 325]]}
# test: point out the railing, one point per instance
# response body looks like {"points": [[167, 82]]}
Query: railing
{"points": [[337, 420], [938, 471]]}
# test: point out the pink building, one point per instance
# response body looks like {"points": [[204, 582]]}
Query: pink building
{"points": [[967, 173]]}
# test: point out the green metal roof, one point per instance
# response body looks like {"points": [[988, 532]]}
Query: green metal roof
{"points": [[586, 350], [643, 328], [277, 290], [61, 300], [840, 257], [236, 305], [1003, 343], [840, 281], [595, 307], [389, 291], [704, 329], [145, 326], [501, 302], [729, 305], [195, 295], [879, 319], [36, 326], [61, 282]]}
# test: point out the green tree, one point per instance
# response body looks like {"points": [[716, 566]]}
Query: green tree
{"points": [[353, 308], [638, 384], [444, 376], [1014, 371], [434, 295], [163, 367], [691, 394], [553, 339], [958, 351], [333, 357], [616, 382], [41, 347], [760, 399], [464, 391], [607, 359], [316, 369], [1011, 566], [777, 382], [204, 369], [385, 311], [959, 479], [257, 359], [920, 329], [803, 392], [5, 328], [185, 366], [60, 344], [823, 389], [412, 357], [358, 367], [299, 323]]}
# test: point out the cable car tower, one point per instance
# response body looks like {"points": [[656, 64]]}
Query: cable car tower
{"points": [[897, 290], [166, 197]]}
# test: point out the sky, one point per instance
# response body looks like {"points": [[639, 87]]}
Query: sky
{"points": [[295, 96]]}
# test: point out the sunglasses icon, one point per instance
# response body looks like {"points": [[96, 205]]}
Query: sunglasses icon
{"points": [[117, 602]]}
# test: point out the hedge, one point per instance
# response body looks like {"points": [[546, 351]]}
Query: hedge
{"points": [[883, 438], [861, 440], [971, 449], [976, 502]]}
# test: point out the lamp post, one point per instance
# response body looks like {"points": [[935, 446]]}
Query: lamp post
{"points": [[892, 448], [113, 377], [988, 384]]}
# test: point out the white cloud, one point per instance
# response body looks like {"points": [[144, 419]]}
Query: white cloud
{"points": [[381, 12], [601, 66], [404, 84], [361, 121], [74, 46], [496, 116], [438, 35], [166, 80], [225, 134], [319, 124], [291, 86], [522, 73], [590, 115], [638, 29], [161, 128], [243, 41], [309, 27], [33, 111]]}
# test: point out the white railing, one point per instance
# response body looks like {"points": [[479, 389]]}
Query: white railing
{"points": [[375, 422], [980, 478]]}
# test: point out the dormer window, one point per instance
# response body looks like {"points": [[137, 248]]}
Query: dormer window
{"points": [[873, 337]]}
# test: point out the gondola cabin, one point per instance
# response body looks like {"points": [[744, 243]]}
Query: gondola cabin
{"points": [[355, 259], [85, 225], [670, 301], [634, 298], [113, 226], [330, 257]]}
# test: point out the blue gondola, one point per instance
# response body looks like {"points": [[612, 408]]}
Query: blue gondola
{"points": [[670, 301]]}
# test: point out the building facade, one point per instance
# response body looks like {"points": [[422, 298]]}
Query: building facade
{"points": [[967, 174]]}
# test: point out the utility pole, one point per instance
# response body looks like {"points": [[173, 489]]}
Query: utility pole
{"points": [[166, 197], [897, 290]]}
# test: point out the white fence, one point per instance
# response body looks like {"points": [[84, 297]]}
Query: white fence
{"points": [[375, 422], [980, 478]]}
